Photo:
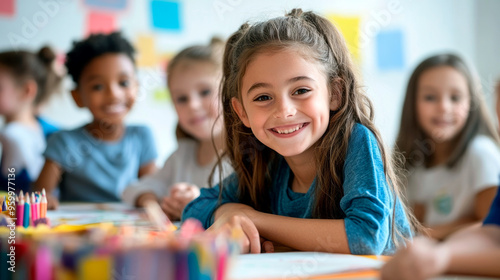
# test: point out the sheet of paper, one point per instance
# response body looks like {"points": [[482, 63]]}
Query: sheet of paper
{"points": [[295, 265], [93, 213], [390, 50], [98, 22], [7, 8], [166, 15], [349, 26]]}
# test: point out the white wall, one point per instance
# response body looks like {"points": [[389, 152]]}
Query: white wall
{"points": [[429, 27]]}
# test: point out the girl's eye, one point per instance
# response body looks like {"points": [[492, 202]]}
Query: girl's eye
{"points": [[262, 98], [205, 92], [456, 98], [97, 87], [182, 99], [429, 97], [125, 83], [301, 91]]}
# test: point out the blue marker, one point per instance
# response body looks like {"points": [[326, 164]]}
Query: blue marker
{"points": [[4, 204]]}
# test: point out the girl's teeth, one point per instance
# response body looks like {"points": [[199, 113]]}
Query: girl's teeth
{"points": [[288, 131]]}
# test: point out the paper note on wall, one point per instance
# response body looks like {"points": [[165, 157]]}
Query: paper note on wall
{"points": [[99, 22], [146, 51], [7, 7], [161, 95], [166, 15], [107, 5], [349, 27], [390, 51]]}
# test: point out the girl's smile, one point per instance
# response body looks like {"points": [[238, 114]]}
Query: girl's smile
{"points": [[288, 130]]}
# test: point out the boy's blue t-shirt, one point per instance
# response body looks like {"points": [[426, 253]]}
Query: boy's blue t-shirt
{"points": [[493, 217], [96, 170], [367, 202]]}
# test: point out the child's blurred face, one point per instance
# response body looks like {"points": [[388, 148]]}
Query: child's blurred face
{"points": [[194, 89], [10, 93], [443, 103], [107, 87], [286, 101]]}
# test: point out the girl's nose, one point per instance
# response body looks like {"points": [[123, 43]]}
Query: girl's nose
{"points": [[194, 102], [445, 104], [284, 108]]}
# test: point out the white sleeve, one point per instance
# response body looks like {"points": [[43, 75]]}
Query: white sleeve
{"points": [[485, 161], [12, 154], [158, 183]]}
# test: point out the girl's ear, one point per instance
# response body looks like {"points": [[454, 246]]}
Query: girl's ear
{"points": [[30, 90], [336, 96], [240, 111], [77, 97]]}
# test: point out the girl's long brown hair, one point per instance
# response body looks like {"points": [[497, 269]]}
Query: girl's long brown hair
{"points": [[252, 160], [416, 147]]}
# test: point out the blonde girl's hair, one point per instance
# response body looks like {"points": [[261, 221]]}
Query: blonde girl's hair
{"points": [[313, 35]]}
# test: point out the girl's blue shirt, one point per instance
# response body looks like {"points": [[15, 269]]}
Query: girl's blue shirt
{"points": [[367, 203]]}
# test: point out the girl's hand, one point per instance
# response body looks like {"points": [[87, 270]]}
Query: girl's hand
{"points": [[238, 220], [266, 245], [52, 202], [180, 195], [422, 259]]}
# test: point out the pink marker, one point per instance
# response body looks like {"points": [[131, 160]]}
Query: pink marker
{"points": [[34, 208], [20, 210]]}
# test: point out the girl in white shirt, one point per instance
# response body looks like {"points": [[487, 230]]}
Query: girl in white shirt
{"points": [[193, 78], [450, 146]]}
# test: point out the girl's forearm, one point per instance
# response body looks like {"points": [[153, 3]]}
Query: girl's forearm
{"points": [[443, 231], [480, 263], [302, 234], [474, 251]]}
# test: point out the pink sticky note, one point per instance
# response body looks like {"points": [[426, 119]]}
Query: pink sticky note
{"points": [[99, 22], [7, 7]]}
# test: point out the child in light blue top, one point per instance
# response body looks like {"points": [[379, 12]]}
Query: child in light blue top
{"points": [[311, 172], [97, 161], [97, 170]]}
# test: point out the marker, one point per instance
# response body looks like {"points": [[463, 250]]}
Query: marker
{"points": [[20, 210], [26, 222], [4, 204], [43, 205], [34, 208]]}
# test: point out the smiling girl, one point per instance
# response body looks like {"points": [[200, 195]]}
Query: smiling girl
{"points": [[311, 172], [450, 145]]}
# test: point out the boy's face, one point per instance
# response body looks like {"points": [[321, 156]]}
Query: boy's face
{"points": [[107, 87]]}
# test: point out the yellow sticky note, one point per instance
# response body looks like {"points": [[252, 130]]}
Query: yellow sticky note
{"points": [[162, 95], [147, 56], [349, 26], [95, 268]]}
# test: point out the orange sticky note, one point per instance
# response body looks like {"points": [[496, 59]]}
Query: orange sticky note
{"points": [[146, 51]]}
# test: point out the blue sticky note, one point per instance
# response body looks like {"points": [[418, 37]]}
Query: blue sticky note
{"points": [[166, 15], [109, 5], [390, 52]]}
